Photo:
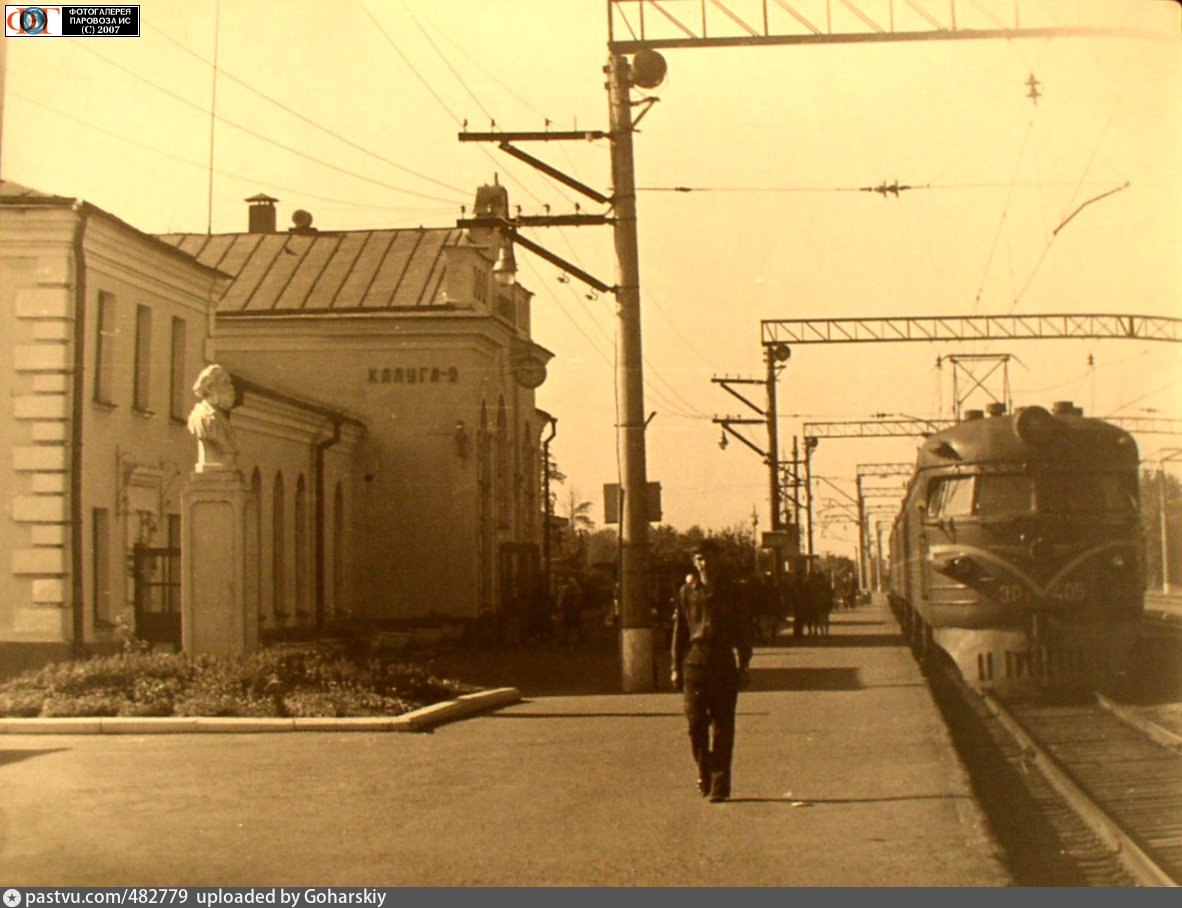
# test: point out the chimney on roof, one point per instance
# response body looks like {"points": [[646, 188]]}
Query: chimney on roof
{"points": [[262, 213]]}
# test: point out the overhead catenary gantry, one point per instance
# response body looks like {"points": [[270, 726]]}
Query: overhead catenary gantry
{"points": [[969, 328], [664, 24]]}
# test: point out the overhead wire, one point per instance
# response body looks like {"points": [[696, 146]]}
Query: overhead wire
{"points": [[266, 182], [301, 117], [446, 62], [258, 135]]}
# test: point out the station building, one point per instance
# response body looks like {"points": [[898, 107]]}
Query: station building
{"points": [[386, 421], [408, 330]]}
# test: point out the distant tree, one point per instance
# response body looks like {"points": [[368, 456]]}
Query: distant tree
{"points": [[1151, 525], [603, 546], [578, 512]]}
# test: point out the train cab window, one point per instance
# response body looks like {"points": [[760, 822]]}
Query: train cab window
{"points": [[1004, 493], [950, 496], [1103, 493]]}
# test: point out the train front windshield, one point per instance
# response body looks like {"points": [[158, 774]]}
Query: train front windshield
{"points": [[1087, 493], [1018, 494]]}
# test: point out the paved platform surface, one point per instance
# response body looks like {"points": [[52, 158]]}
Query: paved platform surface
{"points": [[844, 775]]}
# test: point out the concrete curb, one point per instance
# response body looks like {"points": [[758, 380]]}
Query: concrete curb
{"points": [[418, 720]]}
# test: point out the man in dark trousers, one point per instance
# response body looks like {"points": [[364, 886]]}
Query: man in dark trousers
{"points": [[711, 652]]}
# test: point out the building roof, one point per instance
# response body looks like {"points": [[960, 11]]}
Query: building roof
{"points": [[17, 195], [353, 270]]}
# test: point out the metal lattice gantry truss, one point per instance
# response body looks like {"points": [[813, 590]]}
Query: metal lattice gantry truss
{"points": [[970, 328], [634, 25], [916, 428]]}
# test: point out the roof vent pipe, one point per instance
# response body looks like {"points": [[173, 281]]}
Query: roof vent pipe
{"points": [[997, 408], [970, 415], [262, 213], [1065, 408]]}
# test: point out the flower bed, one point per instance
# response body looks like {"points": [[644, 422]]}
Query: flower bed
{"points": [[317, 680]]}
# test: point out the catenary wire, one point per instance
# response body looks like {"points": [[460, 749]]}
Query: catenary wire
{"points": [[258, 135], [301, 117], [41, 105]]}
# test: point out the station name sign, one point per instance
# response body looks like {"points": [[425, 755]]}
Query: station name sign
{"points": [[414, 375]]}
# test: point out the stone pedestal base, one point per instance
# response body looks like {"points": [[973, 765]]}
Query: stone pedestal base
{"points": [[219, 615]]}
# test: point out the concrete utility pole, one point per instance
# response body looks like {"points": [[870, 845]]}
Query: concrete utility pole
{"points": [[773, 440], [863, 582], [636, 633]]}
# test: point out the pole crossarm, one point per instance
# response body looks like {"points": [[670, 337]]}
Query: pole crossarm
{"points": [[537, 220], [558, 135], [726, 386], [554, 172], [838, 489], [970, 327], [635, 25], [875, 428], [728, 421], [511, 224]]}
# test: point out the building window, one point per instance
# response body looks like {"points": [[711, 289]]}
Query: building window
{"points": [[506, 309], [278, 552], [104, 349], [176, 390], [142, 392], [301, 549], [172, 591], [479, 284], [101, 549]]}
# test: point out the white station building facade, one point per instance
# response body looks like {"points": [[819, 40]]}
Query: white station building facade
{"points": [[386, 419]]}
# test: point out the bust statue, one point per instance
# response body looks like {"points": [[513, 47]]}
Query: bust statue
{"points": [[217, 449]]}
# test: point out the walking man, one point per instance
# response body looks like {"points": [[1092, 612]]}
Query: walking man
{"points": [[711, 652]]}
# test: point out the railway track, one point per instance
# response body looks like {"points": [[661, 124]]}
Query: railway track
{"points": [[1120, 774]]}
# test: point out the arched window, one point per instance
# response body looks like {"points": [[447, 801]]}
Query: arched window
{"points": [[278, 550], [504, 466], [484, 516], [528, 484], [301, 559]]}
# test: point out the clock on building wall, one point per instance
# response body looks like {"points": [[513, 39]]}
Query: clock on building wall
{"points": [[530, 372]]}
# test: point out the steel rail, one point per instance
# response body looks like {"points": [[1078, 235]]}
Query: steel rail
{"points": [[1122, 843]]}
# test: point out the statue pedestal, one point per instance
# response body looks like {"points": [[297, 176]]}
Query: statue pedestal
{"points": [[219, 587]]}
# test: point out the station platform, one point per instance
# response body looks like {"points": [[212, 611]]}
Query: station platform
{"points": [[844, 775]]}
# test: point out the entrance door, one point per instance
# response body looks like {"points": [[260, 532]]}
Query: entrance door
{"points": [[519, 587], [158, 594]]}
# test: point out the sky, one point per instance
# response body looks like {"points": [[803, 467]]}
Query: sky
{"points": [[351, 110]]}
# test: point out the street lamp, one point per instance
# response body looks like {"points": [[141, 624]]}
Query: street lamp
{"points": [[504, 269]]}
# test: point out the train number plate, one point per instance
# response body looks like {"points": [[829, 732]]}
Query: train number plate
{"points": [[1017, 594]]}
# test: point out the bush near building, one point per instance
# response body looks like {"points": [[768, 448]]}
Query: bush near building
{"points": [[320, 680]]}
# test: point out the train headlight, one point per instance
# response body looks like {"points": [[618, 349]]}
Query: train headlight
{"points": [[958, 567]]}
